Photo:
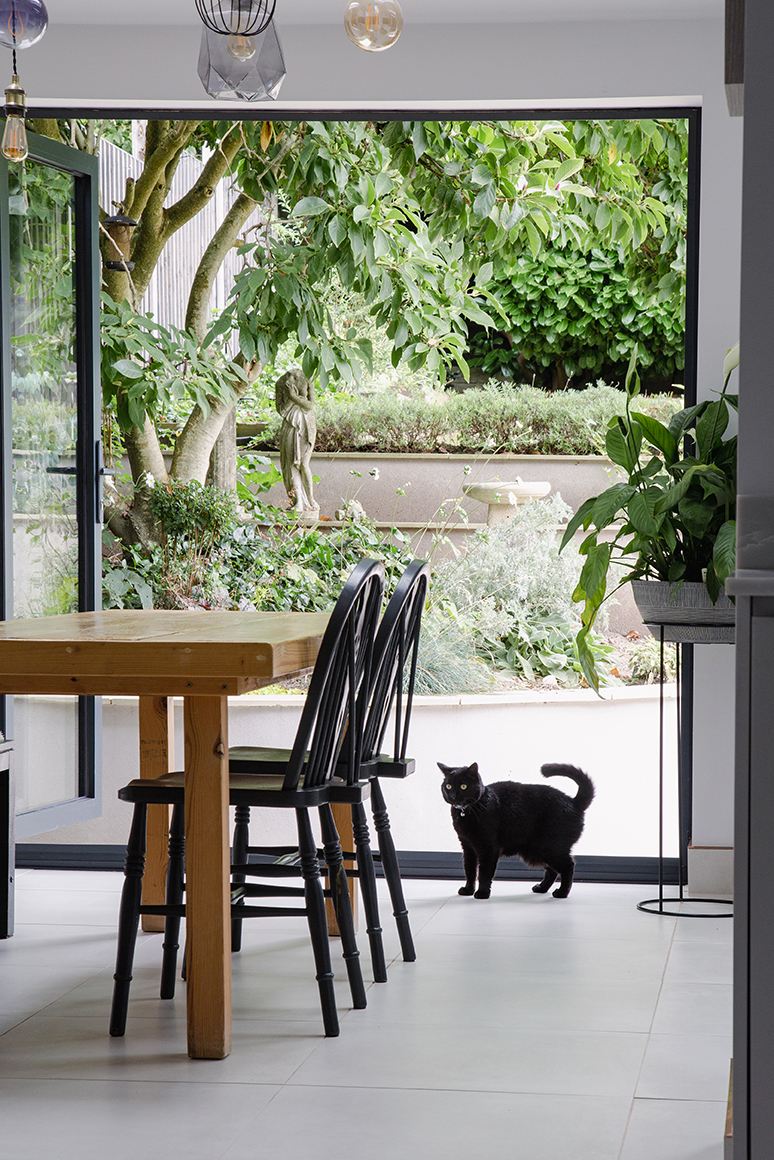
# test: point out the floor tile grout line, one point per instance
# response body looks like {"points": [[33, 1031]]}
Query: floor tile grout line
{"points": [[648, 1038]]}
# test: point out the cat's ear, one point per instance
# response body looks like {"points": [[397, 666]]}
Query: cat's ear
{"points": [[473, 768], [443, 768]]}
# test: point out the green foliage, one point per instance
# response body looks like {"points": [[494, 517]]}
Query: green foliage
{"points": [[148, 368], [645, 661], [420, 218], [194, 521], [673, 515], [588, 311], [514, 594], [523, 420], [281, 565]]}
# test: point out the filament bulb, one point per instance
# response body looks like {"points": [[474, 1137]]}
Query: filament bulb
{"points": [[373, 27], [241, 47], [14, 146]]}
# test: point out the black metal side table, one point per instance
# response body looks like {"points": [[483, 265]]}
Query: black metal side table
{"points": [[670, 631]]}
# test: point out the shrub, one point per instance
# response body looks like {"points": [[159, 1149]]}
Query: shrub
{"points": [[514, 592], [522, 420]]}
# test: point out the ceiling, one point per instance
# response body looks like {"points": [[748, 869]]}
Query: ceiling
{"points": [[414, 11]]}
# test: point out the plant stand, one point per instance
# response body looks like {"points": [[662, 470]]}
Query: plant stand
{"points": [[659, 905]]}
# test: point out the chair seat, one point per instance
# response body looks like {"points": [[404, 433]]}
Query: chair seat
{"points": [[248, 789]]}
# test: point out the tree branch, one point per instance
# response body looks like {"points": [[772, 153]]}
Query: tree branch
{"points": [[217, 165], [195, 442], [212, 259]]}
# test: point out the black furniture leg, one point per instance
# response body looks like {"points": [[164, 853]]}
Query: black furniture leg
{"points": [[365, 867], [318, 928], [174, 897], [389, 861], [239, 857], [129, 919], [342, 905]]}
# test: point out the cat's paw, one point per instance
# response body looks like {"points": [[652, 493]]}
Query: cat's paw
{"points": [[482, 893], [559, 893], [466, 890], [539, 888]]}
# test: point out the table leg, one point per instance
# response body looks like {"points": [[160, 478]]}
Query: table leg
{"points": [[342, 816], [157, 756], [208, 911]]}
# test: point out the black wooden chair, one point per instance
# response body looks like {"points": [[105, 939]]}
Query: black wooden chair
{"points": [[396, 646], [327, 746]]}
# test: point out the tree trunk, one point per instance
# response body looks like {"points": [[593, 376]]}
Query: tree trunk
{"points": [[223, 458]]}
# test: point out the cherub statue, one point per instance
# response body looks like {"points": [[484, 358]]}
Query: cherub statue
{"points": [[294, 400]]}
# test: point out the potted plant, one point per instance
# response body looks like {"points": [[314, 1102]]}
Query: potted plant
{"points": [[672, 517]]}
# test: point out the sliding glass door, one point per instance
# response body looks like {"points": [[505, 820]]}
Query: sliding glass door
{"points": [[51, 458]]}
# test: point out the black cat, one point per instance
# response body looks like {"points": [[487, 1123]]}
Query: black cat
{"points": [[539, 823]]}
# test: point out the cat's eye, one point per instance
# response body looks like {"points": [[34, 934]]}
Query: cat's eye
{"points": [[448, 785], [463, 787]]}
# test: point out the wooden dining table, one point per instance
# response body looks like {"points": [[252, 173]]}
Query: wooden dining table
{"points": [[203, 657]]}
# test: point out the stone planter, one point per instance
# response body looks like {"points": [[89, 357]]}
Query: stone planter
{"points": [[686, 611]]}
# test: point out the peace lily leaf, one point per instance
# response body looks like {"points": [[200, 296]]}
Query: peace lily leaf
{"points": [[657, 435], [724, 553]]}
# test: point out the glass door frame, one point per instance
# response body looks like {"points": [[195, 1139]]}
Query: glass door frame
{"points": [[89, 464]]}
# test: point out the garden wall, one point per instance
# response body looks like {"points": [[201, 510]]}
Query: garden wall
{"points": [[614, 738]]}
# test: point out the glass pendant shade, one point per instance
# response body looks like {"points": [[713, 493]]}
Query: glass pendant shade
{"points": [[22, 22], [241, 17], [373, 27], [254, 78]]}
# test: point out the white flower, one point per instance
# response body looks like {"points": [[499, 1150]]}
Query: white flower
{"points": [[374, 472], [149, 480], [522, 182]]}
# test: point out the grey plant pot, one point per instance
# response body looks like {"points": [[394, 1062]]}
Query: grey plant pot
{"points": [[687, 613]]}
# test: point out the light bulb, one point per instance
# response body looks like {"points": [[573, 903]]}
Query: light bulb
{"points": [[14, 147], [22, 22], [373, 27], [241, 47]]}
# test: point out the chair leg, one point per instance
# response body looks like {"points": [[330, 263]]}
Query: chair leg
{"points": [[365, 866], [129, 919], [174, 897], [391, 871], [239, 856], [318, 928], [342, 905]]}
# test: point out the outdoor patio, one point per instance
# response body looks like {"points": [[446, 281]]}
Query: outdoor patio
{"points": [[528, 1027]]}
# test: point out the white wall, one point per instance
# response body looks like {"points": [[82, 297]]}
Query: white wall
{"points": [[585, 62], [614, 739]]}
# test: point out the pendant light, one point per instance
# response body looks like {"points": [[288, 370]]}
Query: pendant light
{"points": [[22, 23], [373, 27], [240, 21]]}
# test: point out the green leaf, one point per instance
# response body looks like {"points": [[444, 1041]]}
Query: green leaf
{"points": [[485, 201], [724, 552], [128, 368], [533, 237], [710, 427], [309, 207], [657, 435], [618, 445], [642, 511], [581, 519], [609, 503]]}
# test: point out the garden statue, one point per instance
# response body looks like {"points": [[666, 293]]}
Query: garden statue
{"points": [[294, 399]]}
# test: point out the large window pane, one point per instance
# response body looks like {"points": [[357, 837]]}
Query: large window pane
{"points": [[44, 424]]}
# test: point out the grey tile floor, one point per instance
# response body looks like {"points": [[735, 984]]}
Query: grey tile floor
{"points": [[528, 1028]]}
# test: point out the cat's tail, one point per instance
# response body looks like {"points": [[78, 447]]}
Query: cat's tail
{"points": [[585, 795]]}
